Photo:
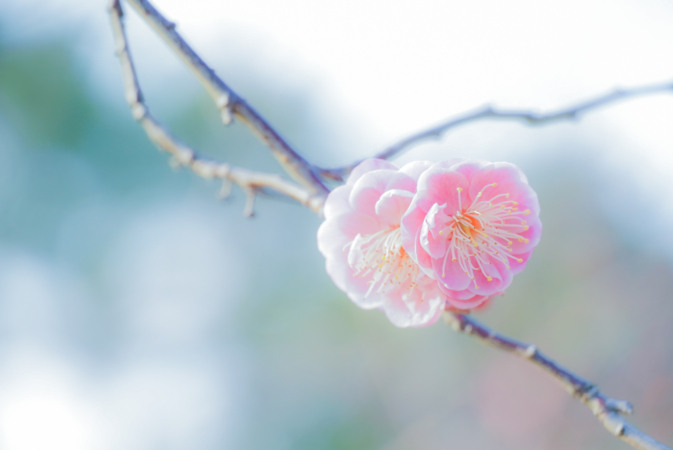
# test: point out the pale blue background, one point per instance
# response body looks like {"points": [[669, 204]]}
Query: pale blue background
{"points": [[138, 312]]}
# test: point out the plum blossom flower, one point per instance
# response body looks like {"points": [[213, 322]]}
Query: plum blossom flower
{"points": [[471, 226], [361, 240]]}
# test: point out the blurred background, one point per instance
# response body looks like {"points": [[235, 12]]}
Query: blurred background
{"points": [[139, 312]]}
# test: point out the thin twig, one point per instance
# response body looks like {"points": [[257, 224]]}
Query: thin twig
{"points": [[229, 103], [182, 155], [607, 410], [533, 118]]}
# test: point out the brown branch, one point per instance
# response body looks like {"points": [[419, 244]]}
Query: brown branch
{"points": [[182, 155], [488, 112], [607, 410], [229, 103]]}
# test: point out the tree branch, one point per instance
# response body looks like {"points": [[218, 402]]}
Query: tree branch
{"points": [[229, 103], [530, 117], [313, 193], [607, 410], [182, 155]]}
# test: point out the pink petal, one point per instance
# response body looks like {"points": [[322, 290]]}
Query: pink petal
{"points": [[431, 241], [415, 169], [517, 267], [457, 295], [368, 189], [469, 167], [372, 301], [369, 165], [509, 180], [422, 258], [449, 163], [502, 278], [401, 181], [392, 205], [417, 310], [498, 283], [469, 303], [439, 185], [411, 224], [532, 234], [335, 233], [337, 202], [450, 274], [345, 279]]}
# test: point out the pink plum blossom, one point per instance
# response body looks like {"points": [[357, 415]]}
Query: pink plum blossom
{"points": [[471, 226], [361, 240]]}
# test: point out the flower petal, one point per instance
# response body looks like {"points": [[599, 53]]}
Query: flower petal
{"points": [[467, 302], [509, 179], [417, 310], [431, 238], [337, 202], [337, 232], [392, 205], [368, 189], [450, 274], [440, 185], [367, 166], [415, 169]]}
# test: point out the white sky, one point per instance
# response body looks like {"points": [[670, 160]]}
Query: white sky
{"points": [[383, 69], [402, 67]]}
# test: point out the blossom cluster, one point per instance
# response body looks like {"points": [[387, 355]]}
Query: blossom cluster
{"points": [[417, 240]]}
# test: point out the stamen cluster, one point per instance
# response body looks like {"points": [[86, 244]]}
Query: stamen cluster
{"points": [[483, 231], [381, 258]]}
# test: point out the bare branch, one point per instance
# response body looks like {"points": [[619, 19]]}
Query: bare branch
{"points": [[229, 103], [313, 193], [488, 112], [607, 410], [182, 155]]}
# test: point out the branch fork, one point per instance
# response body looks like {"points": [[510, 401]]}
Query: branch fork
{"points": [[182, 155]]}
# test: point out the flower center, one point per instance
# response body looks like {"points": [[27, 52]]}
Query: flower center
{"points": [[484, 231], [381, 257]]}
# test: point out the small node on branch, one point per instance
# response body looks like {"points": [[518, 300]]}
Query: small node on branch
{"points": [[223, 170], [249, 209], [185, 157], [138, 111], [174, 162], [619, 406], [224, 106], [120, 49], [530, 119], [205, 169], [225, 190], [614, 424], [452, 320]]}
